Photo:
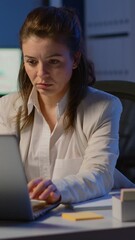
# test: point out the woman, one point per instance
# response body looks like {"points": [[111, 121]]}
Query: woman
{"points": [[68, 131]]}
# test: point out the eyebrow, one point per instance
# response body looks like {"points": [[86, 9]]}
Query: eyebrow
{"points": [[27, 56], [53, 55]]}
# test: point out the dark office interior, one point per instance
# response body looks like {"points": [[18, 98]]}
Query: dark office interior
{"points": [[108, 29]]}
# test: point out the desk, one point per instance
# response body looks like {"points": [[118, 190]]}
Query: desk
{"points": [[53, 227]]}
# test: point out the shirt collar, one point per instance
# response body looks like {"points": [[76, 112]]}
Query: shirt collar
{"points": [[33, 102], [61, 105]]}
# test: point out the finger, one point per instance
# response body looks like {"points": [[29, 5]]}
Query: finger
{"points": [[33, 183], [54, 197], [41, 187], [45, 194], [51, 194]]}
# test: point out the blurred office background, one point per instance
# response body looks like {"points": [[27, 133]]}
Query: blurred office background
{"points": [[108, 28]]}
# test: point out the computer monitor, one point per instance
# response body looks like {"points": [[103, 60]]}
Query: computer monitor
{"points": [[10, 59]]}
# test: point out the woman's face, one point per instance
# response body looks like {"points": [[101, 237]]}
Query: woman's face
{"points": [[49, 65]]}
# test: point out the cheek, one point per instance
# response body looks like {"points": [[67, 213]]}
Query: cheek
{"points": [[63, 77], [30, 73], [66, 72], [27, 69]]}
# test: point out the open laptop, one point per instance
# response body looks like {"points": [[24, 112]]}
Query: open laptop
{"points": [[15, 203]]}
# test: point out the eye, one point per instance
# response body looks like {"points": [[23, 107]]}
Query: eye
{"points": [[31, 62], [54, 61]]}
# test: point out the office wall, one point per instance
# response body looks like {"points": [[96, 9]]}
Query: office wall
{"points": [[12, 15], [110, 38]]}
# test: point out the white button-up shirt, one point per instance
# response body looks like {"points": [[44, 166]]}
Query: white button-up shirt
{"points": [[81, 162], [42, 150]]}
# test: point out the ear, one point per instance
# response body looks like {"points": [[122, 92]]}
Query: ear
{"points": [[76, 61]]}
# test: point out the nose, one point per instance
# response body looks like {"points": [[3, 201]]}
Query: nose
{"points": [[42, 70]]}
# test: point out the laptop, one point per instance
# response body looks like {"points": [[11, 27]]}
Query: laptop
{"points": [[15, 203]]}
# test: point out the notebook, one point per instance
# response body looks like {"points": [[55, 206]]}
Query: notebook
{"points": [[15, 203]]}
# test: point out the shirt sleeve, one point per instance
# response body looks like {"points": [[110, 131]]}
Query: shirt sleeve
{"points": [[95, 177], [7, 113], [3, 111]]}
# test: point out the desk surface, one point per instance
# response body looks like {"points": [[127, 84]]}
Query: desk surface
{"points": [[54, 227]]}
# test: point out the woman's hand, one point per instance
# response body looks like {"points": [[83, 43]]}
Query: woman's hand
{"points": [[43, 190]]}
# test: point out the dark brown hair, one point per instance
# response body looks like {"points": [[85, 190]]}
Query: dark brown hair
{"points": [[62, 25]]}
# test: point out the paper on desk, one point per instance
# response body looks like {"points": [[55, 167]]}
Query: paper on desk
{"points": [[100, 203], [76, 216]]}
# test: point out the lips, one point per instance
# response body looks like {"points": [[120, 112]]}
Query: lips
{"points": [[43, 85]]}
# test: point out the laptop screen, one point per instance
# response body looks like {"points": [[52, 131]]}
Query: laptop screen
{"points": [[14, 198]]}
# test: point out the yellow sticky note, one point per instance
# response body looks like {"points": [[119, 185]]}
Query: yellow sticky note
{"points": [[76, 216]]}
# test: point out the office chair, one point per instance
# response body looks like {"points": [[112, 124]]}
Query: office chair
{"points": [[125, 91]]}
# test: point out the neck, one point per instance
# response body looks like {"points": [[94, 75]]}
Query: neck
{"points": [[47, 101]]}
